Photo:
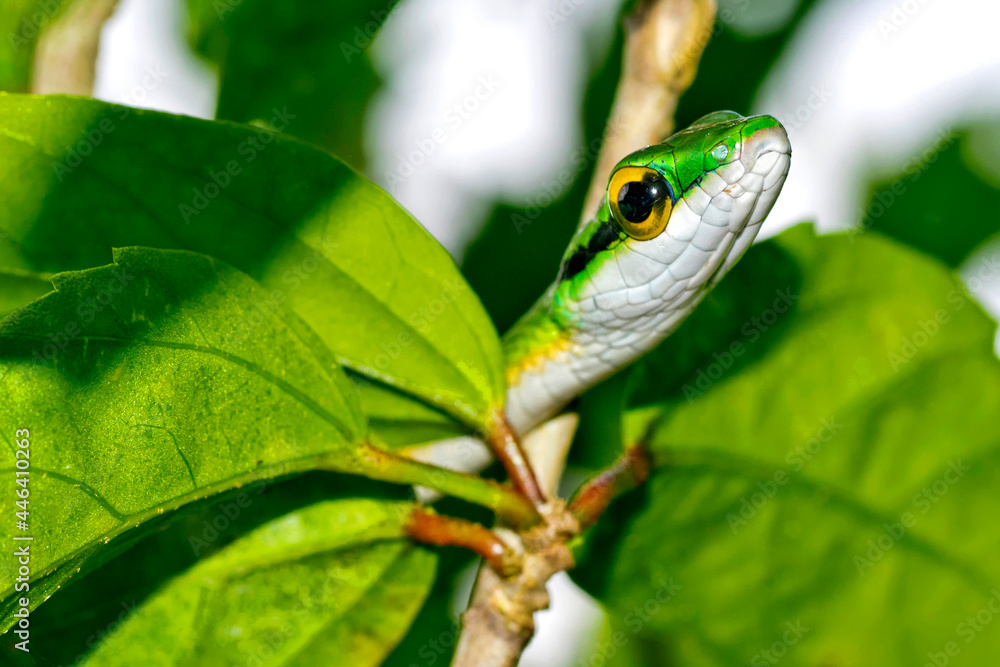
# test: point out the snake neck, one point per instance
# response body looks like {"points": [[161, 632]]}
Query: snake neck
{"points": [[539, 338]]}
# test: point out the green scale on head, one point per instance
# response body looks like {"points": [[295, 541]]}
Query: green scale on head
{"points": [[675, 217]]}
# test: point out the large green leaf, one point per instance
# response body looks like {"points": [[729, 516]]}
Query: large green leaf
{"points": [[308, 57], [79, 176], [332, 584], [148, 384], [842, 481]]}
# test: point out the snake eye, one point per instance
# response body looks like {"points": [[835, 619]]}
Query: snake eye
{"points": [[640, 201]]}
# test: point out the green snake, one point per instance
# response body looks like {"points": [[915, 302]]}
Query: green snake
{"points": [[675, 217]]}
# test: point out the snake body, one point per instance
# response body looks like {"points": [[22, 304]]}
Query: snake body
{"points": [[675, 218]]}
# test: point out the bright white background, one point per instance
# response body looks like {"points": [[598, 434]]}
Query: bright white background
{"points": [[850, 90]]}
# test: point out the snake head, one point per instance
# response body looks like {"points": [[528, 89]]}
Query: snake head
{"points": [[678, 215]]}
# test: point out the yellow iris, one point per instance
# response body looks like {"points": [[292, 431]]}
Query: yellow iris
{"points": [[640, 201]]}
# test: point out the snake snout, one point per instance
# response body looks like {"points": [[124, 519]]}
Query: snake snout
{"points": [[764, 138]]}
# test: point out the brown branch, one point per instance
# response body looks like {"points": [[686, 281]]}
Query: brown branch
{"points": [[664, 42], [500, 619], [66, 55]]}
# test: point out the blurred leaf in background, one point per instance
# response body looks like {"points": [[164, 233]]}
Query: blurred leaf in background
{"points": [[20, 287], [309, 58], [946, 200]]}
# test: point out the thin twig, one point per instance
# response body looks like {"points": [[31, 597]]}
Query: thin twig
{"points": [[66, 55], [508, 451], [429, 528], [664, 42], [629, 471]]}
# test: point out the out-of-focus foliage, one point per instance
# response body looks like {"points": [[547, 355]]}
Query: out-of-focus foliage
{"points": [[307, 58], [939, 203], [827, 465], [19, 287]]}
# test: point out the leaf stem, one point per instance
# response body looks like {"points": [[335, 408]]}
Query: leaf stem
{"points": [[429, 528], [629, 471], [508, 504], [508, 451]]}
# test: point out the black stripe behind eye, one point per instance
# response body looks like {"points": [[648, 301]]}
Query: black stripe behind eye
{"points": [[602, 239]]}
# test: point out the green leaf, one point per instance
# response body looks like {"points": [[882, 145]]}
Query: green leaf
{"points": [[335, 583], [307, 57], [939, 203], [148, 384], [397, 421], [20, 287], [843, 480], [80, 176]]}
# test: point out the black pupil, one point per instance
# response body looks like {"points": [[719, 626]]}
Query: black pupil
{"points": [[637, 198]]}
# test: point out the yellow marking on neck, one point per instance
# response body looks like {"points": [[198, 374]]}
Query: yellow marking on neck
{"points": [[536, 359]]}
